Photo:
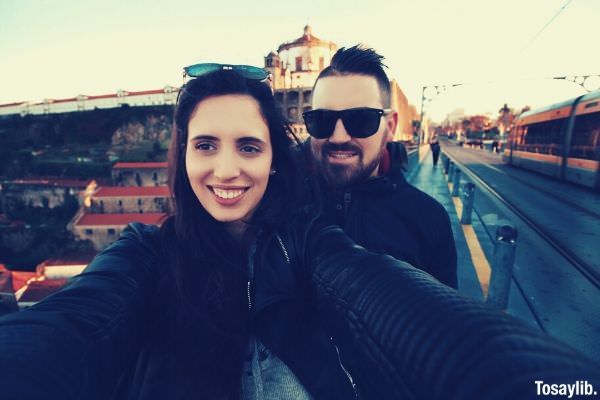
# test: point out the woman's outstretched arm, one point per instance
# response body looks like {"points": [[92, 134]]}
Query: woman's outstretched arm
{"points": [[76, 342], [402, 334]]}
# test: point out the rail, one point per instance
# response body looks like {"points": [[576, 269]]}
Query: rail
{"points": [[585, 269]]}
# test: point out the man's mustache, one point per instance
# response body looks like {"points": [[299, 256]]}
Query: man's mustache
{"points": [[333, 147]]}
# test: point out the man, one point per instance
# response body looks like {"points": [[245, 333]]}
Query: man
{"points": [[360, 170]]}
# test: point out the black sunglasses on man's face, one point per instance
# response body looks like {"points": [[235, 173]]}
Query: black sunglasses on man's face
{"points": [[359, 122]]}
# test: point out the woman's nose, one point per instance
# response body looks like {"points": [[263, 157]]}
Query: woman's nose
{"points": [[226, 167]]}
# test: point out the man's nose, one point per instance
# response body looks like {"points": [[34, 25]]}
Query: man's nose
{"points": [[339, 135], [226, 167]]}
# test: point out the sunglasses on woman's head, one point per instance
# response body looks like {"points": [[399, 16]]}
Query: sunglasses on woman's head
{"points": [[246, 71], [359, 122]]}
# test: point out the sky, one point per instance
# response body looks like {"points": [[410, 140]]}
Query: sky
{"points": [[500, 51]]}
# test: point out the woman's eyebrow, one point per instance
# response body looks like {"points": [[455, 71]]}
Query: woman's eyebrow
{"points": [[204, 137], [250, 139]]}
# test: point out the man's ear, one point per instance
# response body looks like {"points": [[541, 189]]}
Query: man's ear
{"points": [[391, 124]]}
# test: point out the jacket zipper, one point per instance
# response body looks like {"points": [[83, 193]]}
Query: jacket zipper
{"points": [[249, 297], [249, 285], [337, 350], [287, 259], [282, 246], [347, 199]]}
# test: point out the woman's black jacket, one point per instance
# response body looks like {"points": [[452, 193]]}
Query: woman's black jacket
{"points": [[400, 333]]}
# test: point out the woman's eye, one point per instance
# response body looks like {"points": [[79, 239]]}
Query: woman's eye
{"points": [[250, 149], [204, 146]]}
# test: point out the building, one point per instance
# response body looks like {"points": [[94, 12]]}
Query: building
{"points": [[407, 113], [297, 63], [139, 174], [130, 199], [140, 194], [165, 96], [295, 67], [103, 229], [41, 192]]}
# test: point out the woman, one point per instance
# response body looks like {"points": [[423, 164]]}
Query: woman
{"points": [[237, 297]]}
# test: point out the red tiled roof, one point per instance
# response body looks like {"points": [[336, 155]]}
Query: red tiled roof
{"points": [[119, 219], [12, 104], [138, 165], [37, 290], [101, 96], [20, 278], [133, 191], [65, 100]]}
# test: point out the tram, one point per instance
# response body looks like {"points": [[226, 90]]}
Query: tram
{"points": [[561, 140]]}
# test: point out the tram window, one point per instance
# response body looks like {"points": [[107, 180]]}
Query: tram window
{"points": [[586, 137], [544, 137]]}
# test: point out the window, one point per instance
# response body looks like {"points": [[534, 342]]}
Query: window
{"points": [[111, 231], [120, 202], [155, 176], [321, 63], [307, 96], [585, 142], [89, 232], [544, 137], [298, 63], [139, 202]]}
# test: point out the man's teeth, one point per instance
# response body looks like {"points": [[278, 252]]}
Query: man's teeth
{"points": [[341, 155], [228, 193]]}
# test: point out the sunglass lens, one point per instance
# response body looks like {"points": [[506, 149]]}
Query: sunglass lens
{"points": [[361, 123], [201, 69], [320, 123], [250, 72]]}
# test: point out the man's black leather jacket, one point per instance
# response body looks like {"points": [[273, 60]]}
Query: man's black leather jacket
{"points": [[388, 215], [400, 334]]}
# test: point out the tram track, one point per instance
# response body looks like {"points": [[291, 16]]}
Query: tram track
{"points": [[581, 265], [550, 193]]}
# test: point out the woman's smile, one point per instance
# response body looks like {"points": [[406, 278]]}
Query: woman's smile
{"points": [[228, 196]]}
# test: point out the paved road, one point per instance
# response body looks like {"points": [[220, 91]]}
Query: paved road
{"points": [[563, 300]]}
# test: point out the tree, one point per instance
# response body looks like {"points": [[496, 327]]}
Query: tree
{"points": [[505, 119]]}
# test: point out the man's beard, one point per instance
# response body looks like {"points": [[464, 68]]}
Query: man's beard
{"points": [[341, 176]]}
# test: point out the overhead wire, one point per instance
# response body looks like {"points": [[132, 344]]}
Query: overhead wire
{"points": [[533, 39]]}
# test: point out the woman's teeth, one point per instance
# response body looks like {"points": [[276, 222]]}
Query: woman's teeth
{"points": [[228, 193]]}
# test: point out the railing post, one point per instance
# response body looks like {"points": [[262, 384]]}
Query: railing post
{"points": [[502, 267], [450, 169], [446, 161], [455, 181], [468, 197]]}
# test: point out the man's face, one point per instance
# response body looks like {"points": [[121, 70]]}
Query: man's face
{"points": [[342, 159]]}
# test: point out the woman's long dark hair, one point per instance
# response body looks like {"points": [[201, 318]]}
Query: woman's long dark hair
{"points": [[205, 319]]}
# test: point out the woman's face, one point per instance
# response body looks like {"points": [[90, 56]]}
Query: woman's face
{"points": [[229, 155]]}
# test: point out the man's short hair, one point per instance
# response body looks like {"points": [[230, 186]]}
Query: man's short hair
{"points": [[359, 60]]}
